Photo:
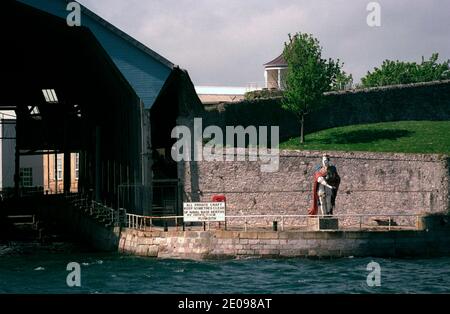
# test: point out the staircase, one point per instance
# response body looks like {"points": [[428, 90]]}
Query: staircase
{"points": [[107, 216]]}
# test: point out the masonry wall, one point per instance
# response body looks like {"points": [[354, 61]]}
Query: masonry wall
{"points": [[421, 101], [371, 183], [226, 244], [80, 226]]}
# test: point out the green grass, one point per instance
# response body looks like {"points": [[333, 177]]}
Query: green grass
{"points": [[431, 137]]}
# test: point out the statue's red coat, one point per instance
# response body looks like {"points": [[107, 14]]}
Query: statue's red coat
{"points": [[315, 207]]}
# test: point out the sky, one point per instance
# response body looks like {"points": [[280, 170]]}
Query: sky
{"points": [[226, 42]]}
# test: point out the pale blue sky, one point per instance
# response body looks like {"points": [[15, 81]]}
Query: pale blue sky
{"points": [[226, 42]]}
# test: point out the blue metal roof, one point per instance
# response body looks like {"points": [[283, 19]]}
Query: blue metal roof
{"points": [[144, 69]]}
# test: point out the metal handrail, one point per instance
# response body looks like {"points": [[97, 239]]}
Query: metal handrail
{"points": [[95, 208], [340, 215], [138, 221]]}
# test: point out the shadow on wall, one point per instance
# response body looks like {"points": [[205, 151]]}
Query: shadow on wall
{"points": [[363, 136]]}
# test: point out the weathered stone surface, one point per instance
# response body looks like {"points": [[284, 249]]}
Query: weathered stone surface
{"points": [[267, 235], [372, 183], [249, 235], [191, 234], [301, 244], [152, 251]]}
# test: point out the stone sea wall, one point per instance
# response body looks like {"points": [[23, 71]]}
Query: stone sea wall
{"points": [[371, 183], [433, 240]]}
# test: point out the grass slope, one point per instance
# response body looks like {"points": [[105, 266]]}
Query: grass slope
{"points": [[432, 137]]}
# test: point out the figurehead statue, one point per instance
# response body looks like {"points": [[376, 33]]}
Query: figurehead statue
{"points": [[325, 161], [325, 188]]}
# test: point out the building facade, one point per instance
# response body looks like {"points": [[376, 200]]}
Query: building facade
{"points": [[31, 167], [53, 173], [275, 73]]}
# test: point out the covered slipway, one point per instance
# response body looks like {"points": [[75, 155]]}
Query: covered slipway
{"points": [[93, 90]]}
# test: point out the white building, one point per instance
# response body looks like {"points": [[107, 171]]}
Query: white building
{"points": [[274, 78], [275, 73], [31, 167], [210, 95]]}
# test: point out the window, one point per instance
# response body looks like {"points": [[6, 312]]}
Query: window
{"points": [[77, 165], [50, 95], [34, 112], [59, 168], [26, 177]]}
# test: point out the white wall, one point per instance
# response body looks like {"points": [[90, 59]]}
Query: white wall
{"points": [[7, 152]]}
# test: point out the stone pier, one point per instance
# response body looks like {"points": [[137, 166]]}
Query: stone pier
{"points": [[432, 240]]}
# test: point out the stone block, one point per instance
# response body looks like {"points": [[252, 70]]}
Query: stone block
{"points": [[205, 234], [322, 223], [221, 234], [249, 235], [147, 241], [152, 251], [328, 223], [268, 235], [356, 234], [294, 253], [191, 234], [313, 243], [154, 233], [245, 252], [271, 252], [337, 244]]}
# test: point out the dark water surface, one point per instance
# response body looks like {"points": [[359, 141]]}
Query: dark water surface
{"points": [[45, 272]]}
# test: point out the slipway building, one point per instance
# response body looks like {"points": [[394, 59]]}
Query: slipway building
{"points": [[94, 91]]}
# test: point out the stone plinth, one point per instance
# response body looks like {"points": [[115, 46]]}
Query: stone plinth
{"points": [[322, 223]]}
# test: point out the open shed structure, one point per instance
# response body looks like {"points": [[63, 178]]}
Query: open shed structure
{"points": [[92, 90]]}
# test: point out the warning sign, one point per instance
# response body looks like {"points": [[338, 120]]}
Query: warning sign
{"points": [[199, 212]]}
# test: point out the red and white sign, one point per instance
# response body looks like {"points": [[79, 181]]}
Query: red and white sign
{"points": [[200, 212]]}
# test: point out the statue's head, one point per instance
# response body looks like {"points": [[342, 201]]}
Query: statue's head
{"points": [[325, 160]]}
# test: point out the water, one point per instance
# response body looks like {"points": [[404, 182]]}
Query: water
{"points": [[45, 272]]}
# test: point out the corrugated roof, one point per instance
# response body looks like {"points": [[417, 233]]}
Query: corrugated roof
{"points": [[125, 36], [144, 69], [277, 62]]}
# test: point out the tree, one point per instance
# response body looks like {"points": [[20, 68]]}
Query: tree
{"points": [[308, 76], [400, 72], [343, 81]]}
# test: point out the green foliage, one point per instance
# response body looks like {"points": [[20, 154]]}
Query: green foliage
{"points": [[308, 75], [263, 94], [432, 137], [399, 72], [343, 81]]}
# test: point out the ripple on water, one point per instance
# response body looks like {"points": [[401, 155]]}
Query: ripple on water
{"points": [[127, 274]]}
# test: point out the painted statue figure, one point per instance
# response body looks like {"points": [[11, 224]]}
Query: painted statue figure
{"points": [[325, 188]]}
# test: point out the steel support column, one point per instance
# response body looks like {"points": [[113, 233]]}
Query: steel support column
{"points": [[67, 172], [98, 183], [147, 196]]}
